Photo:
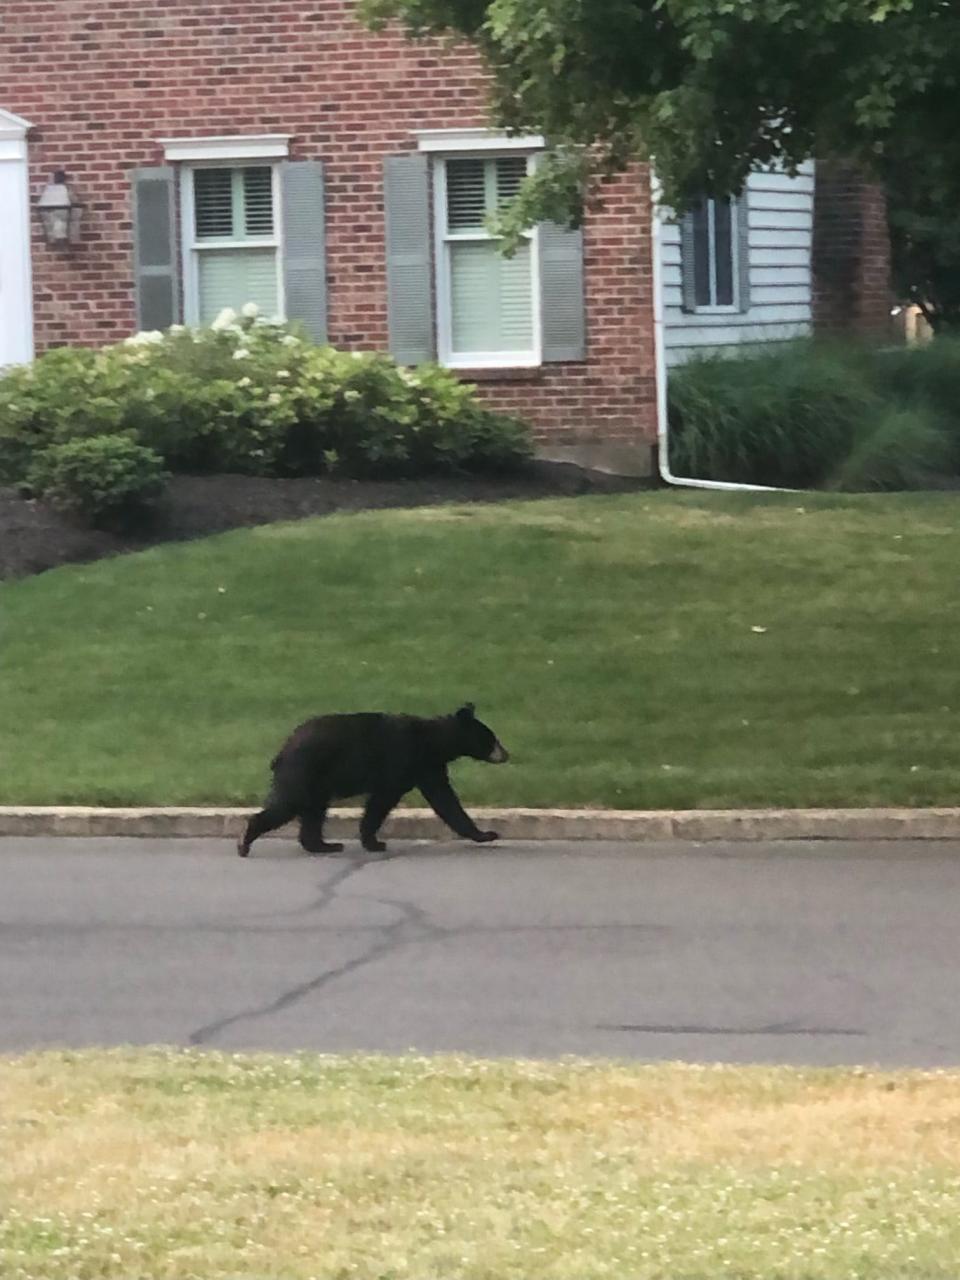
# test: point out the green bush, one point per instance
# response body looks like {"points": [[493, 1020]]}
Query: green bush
{"points": [[110, 481], [817, 415], [45, 402], [256, 397], [905, 448], [928, 377]]}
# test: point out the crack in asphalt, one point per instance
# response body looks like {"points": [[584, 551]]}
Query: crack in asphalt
{"points": [[413, 925], [775, 1029], [203, 1035], [249, 925], [353, 863], [391, 940]]}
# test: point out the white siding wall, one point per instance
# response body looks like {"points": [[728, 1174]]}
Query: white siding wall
{"points": [[781, 234]]}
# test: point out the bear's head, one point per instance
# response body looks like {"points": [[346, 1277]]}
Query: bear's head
{"points": [[476, 740]]}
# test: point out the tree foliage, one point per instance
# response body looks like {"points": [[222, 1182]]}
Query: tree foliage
{"points": [[922, 175], [710, 89]]}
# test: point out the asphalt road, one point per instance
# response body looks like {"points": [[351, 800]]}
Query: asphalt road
{"points": [[802, 953]]}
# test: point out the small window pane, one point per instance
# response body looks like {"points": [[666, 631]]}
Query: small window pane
{"points": [[258, 201], [701, 255], [491, 299], [511, 171], [466, 195], [213, 203], [723, 252], [516, 300], [231, 277]]}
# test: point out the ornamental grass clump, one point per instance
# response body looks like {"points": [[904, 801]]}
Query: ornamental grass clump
{"points": [[820, 415]]}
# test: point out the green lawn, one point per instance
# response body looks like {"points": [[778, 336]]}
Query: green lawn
{"points": [[162, 1165], [657, 650]]}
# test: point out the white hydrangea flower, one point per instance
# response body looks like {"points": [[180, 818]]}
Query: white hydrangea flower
{"points": [[225, 319], [274, 397], [357, 355], [250, 310], [244, 382], [409, 378], [351, 396], [241, 353], [290, 340], [177, 328], [143, 339], [283, 373]]}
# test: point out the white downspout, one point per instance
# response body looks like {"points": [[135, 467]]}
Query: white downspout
{"points": [[660, 365]]}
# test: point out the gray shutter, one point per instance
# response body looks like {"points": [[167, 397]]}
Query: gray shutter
{"points": [[155, 247], [688, 272], [743, 248], [409, 286], [561, 292], [304, 245]]}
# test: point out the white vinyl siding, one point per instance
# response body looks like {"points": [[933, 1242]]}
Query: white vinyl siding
{"points": [[780, 237], [487, 312], [231, 240]]}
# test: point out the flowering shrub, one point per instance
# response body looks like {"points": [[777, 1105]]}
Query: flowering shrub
{"points": [[253, 396]]}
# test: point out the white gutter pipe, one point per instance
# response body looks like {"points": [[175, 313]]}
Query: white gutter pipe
{"points": [[660, 366]]}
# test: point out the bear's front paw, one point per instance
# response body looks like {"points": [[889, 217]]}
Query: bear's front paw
{"points": [[484, 837]]}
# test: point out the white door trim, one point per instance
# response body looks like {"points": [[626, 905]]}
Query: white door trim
{"points": [[16, 276]]}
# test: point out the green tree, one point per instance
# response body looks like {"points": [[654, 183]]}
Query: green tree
{"points": [[709, 89], [922, 175]]}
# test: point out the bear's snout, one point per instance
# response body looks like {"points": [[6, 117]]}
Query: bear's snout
{"points": [[499, 754]]}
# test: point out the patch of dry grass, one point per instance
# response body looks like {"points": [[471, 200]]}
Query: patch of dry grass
{"points": [[202, 1166]]}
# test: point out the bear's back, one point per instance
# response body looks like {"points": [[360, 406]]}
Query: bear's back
{"points": [[350, 754]]}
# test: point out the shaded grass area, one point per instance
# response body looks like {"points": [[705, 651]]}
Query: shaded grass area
{"points": [[174, 1165], [656, 650]]}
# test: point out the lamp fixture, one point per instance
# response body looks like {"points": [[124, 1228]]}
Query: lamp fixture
{"points": [[60, 211]]}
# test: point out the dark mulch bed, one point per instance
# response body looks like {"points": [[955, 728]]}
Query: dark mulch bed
{"points": [[35, 537]]}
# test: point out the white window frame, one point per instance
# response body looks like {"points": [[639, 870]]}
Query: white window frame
{"points": [[235, 147], [191, 248], [442, 244], [471, 140], [725, 308]]}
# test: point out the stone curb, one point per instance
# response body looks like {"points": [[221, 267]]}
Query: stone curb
{"points": [[513, 824]]}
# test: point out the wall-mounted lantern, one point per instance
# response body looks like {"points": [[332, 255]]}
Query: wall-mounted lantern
{"points": [[60, 211]]}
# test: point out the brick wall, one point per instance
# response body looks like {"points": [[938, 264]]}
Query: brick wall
{"points": [[851, 253], [102, 80]]}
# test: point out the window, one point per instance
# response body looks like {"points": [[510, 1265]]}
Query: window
{"points": [[486, 303], [231, 240], [714, 246]]}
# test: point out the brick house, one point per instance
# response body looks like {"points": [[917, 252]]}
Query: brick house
{"points": [[250, 150]]}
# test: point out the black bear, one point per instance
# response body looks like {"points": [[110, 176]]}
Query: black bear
{"points": [[375, 755]]}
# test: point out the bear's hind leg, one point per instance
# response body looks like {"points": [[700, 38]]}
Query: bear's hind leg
{"points": [[311, 831], [276, 814]]}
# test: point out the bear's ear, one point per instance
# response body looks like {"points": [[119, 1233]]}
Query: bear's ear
{"points": [[466, 711]]}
